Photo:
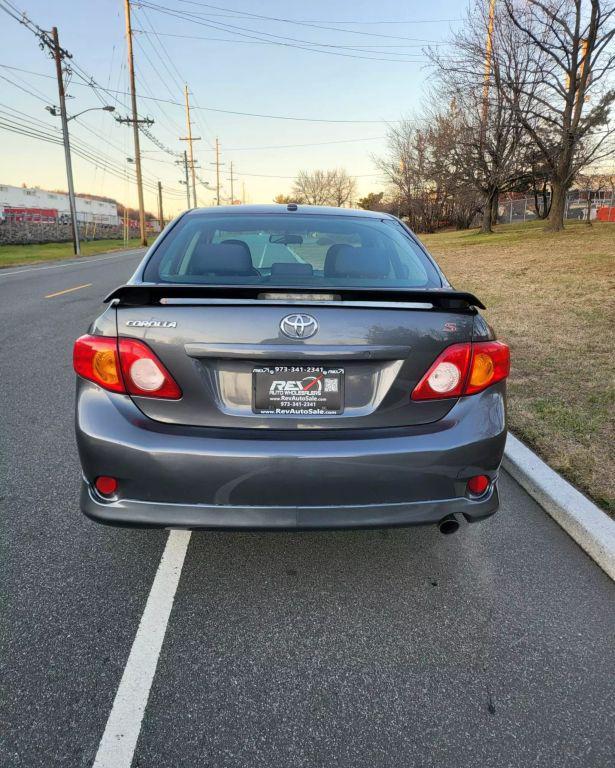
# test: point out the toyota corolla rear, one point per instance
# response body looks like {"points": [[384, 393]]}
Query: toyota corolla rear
{"points": [[289, 367]]}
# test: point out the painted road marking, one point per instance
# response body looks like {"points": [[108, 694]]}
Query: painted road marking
{"points": [[67, 290], [119, 741], [76, 263]]}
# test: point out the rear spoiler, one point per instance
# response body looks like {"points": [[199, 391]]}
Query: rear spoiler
{"points": [[155, 294]]}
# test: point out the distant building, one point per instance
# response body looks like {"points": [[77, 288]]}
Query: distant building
{"points": [[24, 204]]}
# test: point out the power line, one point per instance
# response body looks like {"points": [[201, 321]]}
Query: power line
{"points": [[22, 18], [38, 129], [287, 42], [363, 49], [314, 25], [310, 144], [180, 80], [229, 111]]}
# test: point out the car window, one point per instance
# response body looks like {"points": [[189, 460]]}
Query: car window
{"points": [[308, 250]]}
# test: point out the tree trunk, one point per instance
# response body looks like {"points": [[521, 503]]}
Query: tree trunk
{"points": [[555, 222], [487, 225], [546, 203], [494, 207]]}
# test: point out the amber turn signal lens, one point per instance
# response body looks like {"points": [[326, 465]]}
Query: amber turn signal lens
{"points": [[482, 370], [104, 364]]}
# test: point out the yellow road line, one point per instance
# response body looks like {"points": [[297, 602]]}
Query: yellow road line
{"points": [[67, 290]]}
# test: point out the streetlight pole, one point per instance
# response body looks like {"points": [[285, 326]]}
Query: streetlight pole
{"points": [[57, 54]]}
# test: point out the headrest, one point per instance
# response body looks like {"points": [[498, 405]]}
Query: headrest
{"points": [[291, 268], [331, 257], [346, 261], [242, 243], [221, 259]]}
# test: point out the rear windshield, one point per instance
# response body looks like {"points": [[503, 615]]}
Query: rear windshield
{"points": [[287, 249]]}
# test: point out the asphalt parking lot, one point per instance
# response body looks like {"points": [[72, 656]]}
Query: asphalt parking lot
{"points": [[492, 647]]}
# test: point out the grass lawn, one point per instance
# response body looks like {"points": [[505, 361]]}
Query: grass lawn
{"points": [[12, 255], [551, 297]]}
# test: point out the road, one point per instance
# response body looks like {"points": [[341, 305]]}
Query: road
{"points": [[493, 647]]}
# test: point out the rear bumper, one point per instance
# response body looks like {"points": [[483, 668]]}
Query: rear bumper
{"points": [[129, 512], [173, 476]]}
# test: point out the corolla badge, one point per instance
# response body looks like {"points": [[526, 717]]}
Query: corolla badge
{"points": [[151, 323], [298, 326]]}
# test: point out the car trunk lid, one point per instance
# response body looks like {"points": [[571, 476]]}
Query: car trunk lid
{"points": [[231, 353]]}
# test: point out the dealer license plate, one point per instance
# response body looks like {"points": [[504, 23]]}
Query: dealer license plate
{"points": [[294, 390]]}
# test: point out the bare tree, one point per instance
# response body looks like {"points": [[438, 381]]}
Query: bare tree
{"points": [[488, 136], [427, 181], [567, 83], [333, 187], [343, 187], [406, 168]]}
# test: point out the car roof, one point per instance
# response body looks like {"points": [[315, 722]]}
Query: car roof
{"points": [[290, 209]]}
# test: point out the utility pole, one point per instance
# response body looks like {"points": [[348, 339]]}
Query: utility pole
{"points": [[135, 122], [186, 179], [487, 75], [232, 179], [217, 164], [160, 211], [190, 138], [58, 55]]}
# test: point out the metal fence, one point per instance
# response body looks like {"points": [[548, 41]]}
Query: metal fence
{"points": [[523, 209]]}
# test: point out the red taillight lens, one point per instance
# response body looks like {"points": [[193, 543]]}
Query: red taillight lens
{"points": [[144, 374], [464, 369], [447, 375], [96, 358], [123, 365]]}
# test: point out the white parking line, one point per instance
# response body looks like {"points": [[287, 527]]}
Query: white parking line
{"points": [[76, 263], [118, 743]]}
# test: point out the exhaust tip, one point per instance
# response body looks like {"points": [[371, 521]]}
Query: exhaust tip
{"points": [[448, 525]]}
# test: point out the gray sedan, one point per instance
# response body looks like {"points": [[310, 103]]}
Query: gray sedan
{"points": [[287, 367]]}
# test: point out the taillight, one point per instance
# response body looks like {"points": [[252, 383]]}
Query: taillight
{"points": [[447, 376], [464, 369], [144, 374], [123, 365], [96, 358], [490, 363]]}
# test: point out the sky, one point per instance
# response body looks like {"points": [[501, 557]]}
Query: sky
{"points": [[369, 71]]}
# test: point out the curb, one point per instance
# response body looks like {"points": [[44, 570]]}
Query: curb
{"points": [[591, 528]]}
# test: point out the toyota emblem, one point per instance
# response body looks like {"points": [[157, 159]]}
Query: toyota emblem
{"points": [[298, 326]]}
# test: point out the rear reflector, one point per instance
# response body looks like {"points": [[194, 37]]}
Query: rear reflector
{"points": [[106, 485], [123, 365], [464, 369], [477, 485]]}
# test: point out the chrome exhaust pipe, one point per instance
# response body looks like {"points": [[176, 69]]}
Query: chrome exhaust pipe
{"points": [[448, 525]]}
